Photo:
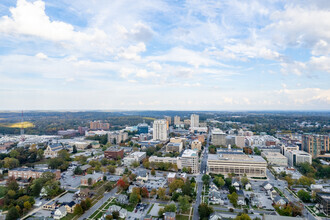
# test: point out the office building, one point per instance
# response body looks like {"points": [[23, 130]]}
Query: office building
{"points": [[177, 121], [316, 145], [297, 156], [275, 158], [239, 164], [114, 153], [218, 137], [285, 148], [160, 130], [27, 173], [143, 128], [194, 121], [174, 147], [169, 120], [240, 141], [186, 122], [196, 145], [189, 159], [155, 159]]}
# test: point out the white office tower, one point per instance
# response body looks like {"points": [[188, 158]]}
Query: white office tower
{"points": [[194, 121], [160, 130]]}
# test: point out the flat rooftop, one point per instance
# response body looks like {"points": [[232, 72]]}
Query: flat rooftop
{"points": [[236, 158], [273, 154], [189, 153]]}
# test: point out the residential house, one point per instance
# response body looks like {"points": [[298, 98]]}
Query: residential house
{"points": [[236, 184], [70, 207], [50, 206], [60, 213], [169, 216], [95, 177], [215, 216], [248, 186], [241, 198], [267, 186], [278, 200], [142, 175], [122, 199], [113, 208]]}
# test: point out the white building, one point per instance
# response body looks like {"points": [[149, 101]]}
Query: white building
{"points": [[160, 130], [189, 159], [134, 157], [240, 141], [177, 121], [194, 120], [275, 158], [117, 137], [297, 156]]}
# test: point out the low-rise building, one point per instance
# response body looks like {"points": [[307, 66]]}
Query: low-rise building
{"points": [[275, 158], [27, 173], [117, 137], [239, 164], [52, 150], [134, 157], [323, 201], [169, 216], [94, 178], [156, 159], [171, 177], [114, 153], [60, 212]]}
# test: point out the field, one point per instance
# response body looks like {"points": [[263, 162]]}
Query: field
{"points": [[24, 124]]}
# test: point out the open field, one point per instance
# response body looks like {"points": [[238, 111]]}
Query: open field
{"points": [[24, 124]]}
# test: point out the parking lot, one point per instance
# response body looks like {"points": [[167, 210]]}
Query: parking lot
{"points": [[69, 181], [139, 212]]}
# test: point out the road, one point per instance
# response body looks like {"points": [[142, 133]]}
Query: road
{"points": [[203, 169], [97, 205]]}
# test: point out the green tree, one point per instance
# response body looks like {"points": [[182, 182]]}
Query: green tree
{"points": [[115, 215], [78, 210], [228, 181], [243, 216], [89, 181], [12, 184], [27, 205], [63, 154], [134, 198], [10, 163], [186, 189], [218, 181], [304, 195], [161, 193], [184, 203], [204, 211], [14, 154], [206, 179], [40, 154], [244, 181], [13, 214], [78, 171], [36, 187], [153, 172], [233, 198], [176, 184], [74, 149]]}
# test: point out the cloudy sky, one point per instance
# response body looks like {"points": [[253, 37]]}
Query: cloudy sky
{"points": [[153, 54]]}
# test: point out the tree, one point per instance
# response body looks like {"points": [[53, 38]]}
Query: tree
{"points": [[40, 154], [184, 203], [206, 179], [186, 189], [12, 214], [306, 181], [204, 211], [176, 184], [90, 181], [14, 154], [243, 216], [134, 198], [10, 163], [161, 193], [144, 192], [228, 181], [83, 205], [146, 163], [112, 169], [233, 198], [244, 180], [115, 215], [289, 180], [304, 195], [78, 171], [123, 183], [64, 155], [78, 210], [12, 184], [88, 203], [27, 205], [153, 172], [218, 181], [74, 149], [36, 187]]}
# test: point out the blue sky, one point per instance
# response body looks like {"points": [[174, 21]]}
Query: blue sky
{"points": [[175, 55]]}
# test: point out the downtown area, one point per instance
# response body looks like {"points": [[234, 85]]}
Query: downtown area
{"points": [[165, 165]]}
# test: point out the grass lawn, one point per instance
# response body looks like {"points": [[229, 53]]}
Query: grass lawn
{"points": [[182, 217], [150, 208], [3, 191], [68, 217]]}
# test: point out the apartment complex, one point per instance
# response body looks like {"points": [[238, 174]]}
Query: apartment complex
{"points": [[160, 130], [117, 137], [27, 173], [275, 158], [134, 157], [218, 137], [323, 201], [316, 145], [239, 164], [174, 147], [114, 153], [194, 121], [98, 125]]}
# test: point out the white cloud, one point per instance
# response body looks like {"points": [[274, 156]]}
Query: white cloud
{"points": [[132, 52], [41, 56]]}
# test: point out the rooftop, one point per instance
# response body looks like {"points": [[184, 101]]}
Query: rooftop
{"points": [[236, 157], [114, 149], [189, 153]]}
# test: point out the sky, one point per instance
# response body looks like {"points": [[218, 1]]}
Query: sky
{"points": [[164, 55]]}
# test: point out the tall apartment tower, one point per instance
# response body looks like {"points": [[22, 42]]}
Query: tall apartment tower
{"points": [[194, 121], [160, 130], [177, 120], [316, 145]]}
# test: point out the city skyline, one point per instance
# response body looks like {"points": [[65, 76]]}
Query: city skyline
{"points": [[164, 55]]}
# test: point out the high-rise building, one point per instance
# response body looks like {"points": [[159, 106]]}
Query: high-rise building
{"points": [[160, 130], [143, 128], [316, 145], [218, 137], [168, 119], [177, 120], [189, 159], [194, 120]]}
